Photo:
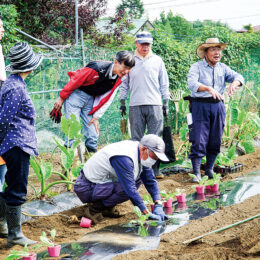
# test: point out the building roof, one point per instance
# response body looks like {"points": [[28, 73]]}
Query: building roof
{"points": [[139, 24]]}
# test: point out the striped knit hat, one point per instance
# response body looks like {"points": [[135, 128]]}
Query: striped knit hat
{"points": [[144, 37], [22, 58]]}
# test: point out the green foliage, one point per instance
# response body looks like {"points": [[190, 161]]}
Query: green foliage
{"points": [[18, 254], [148, 199], [201, 182], [43, 171], [134, 8], [71, 126], [165, 195], [45, 240], [10, 21], [216, 179]]}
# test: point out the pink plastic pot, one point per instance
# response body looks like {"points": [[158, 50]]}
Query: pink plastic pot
{"points": [[85, 222], [181, 206], [215, 187], [200, 189], [54, 251], [168, 211], [200, 196], [30, 257], [168, 203], [208, 187], [152, 207], [181, 197]]}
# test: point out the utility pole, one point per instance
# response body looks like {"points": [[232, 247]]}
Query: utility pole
{"points": [[76, 23]]}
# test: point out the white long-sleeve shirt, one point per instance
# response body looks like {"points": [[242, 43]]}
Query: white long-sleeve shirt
{"points": [[148, 82]]}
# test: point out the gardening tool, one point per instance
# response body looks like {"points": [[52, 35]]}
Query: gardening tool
{"points": [[123, 124], [167, 138], [175, 97]]}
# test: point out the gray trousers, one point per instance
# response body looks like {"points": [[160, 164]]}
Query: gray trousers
{"points": [[140, 116]]}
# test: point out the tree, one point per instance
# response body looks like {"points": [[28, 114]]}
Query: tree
{"points": [[53, 21], [249, 28], [10, 20], [134, 8]]}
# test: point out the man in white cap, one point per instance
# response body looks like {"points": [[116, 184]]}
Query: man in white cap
{"points": [[207, 82], [113, 175], [148, 83]]}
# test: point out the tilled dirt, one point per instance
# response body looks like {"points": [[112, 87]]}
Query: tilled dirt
{"points": [[239, 242]]}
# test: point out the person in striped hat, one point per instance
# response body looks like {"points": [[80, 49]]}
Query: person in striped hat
{"points": [[17, 140], [2, 79]]}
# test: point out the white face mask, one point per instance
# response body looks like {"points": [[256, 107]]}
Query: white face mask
{"points": [[149, 162]]}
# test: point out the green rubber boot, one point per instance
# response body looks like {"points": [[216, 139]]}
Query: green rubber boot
{"points": [[3, 224], [15, 235]]}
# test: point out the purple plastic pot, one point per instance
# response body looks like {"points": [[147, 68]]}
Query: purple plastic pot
{"points": [[215, 187], [200, 189], [30, 257], [85, 222], [54, 251], [181, 197], [168, 203]]}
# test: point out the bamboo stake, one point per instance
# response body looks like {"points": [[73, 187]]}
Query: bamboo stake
{"points": [[220, 229]]}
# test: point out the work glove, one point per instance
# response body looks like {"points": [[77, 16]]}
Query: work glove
{"points": [[55, 115], [158, 211], [165, 107], [122, 108], [152, 216]]}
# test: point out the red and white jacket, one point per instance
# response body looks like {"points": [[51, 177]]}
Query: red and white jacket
{"points": [[95, 81]]}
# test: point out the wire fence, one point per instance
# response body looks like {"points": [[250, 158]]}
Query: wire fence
{"points": [[47, 81]]}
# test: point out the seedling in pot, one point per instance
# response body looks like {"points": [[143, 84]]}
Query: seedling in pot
{"points": [[180, 195], [167, 198], [54, 250], [200, 188], [23, 253], [214, 183]]}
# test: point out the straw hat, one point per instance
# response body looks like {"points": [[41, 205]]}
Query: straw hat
{"points": [[210, 42], [22, 58]]}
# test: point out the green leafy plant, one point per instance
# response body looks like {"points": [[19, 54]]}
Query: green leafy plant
{"points": [[43, 171], [165, 195], [71, 128], [18, 254], [202, 182], [216, 179], [148, 199], [179, 191], [45, 240]]}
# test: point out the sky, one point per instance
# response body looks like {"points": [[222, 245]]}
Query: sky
{"points": [[235, 13]]}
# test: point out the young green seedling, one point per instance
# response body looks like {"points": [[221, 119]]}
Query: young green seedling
{"points": [[148, 200], [18, 254], [216, 179], [45, 240], [201, 182]]}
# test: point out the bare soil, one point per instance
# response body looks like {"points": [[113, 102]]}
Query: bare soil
{"points": [[240, 242]]}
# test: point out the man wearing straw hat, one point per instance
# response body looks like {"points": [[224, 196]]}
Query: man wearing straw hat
{"points": [[17, 140], [207, 82]]}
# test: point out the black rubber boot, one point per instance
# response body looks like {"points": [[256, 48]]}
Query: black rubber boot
{"points": [[15, 235], [93, 211], [156, 170], [211, 158], [3, 224], [196, 168], [111, 212]]}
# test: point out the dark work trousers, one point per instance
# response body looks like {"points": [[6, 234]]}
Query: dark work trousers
{"points": [[110, 193], [16, 178], [142, 116], [207, 128]]}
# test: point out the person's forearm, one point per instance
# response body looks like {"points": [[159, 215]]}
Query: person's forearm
{"points": [[204, 88]]}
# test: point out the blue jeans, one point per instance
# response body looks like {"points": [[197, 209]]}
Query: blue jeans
{"points": [[80, 104], [2, 176], [17, 163]]}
